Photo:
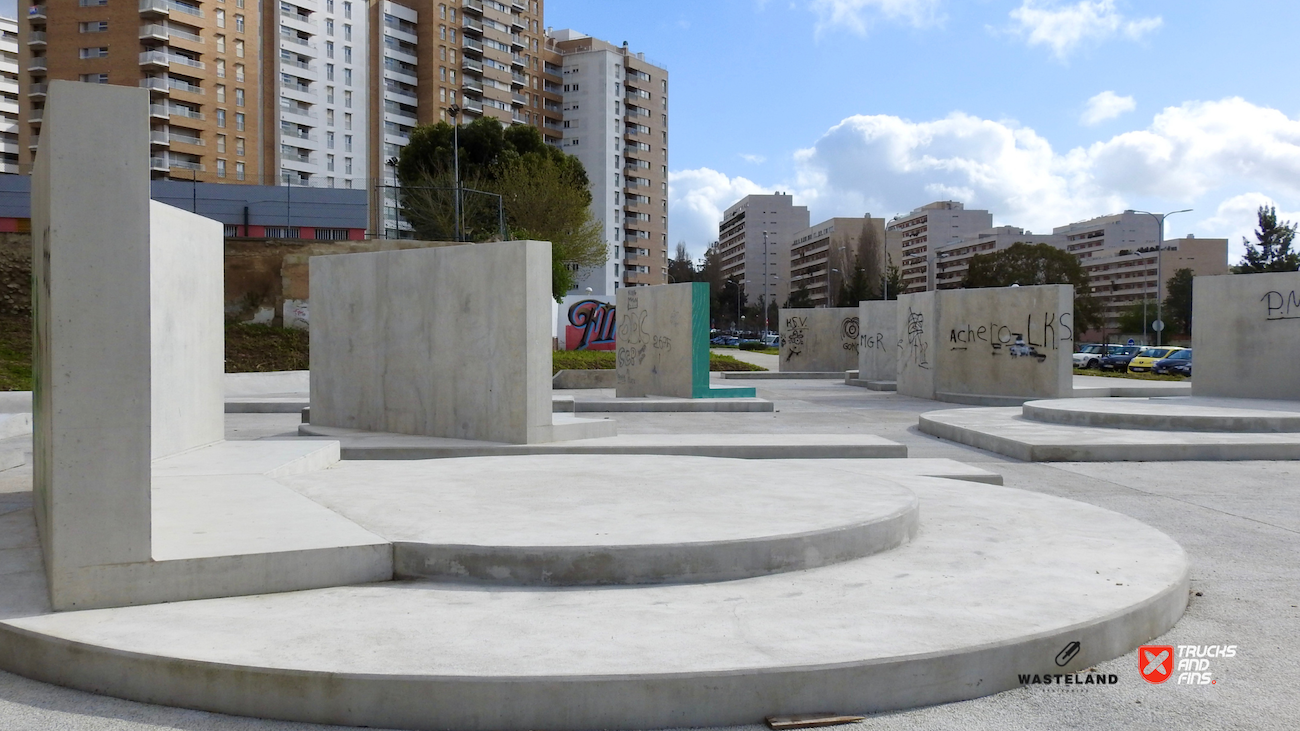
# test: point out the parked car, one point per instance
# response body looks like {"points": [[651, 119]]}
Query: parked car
{"points": [[1144, 360], [772, 340], [1178, 364], [1119, 357], [1089, 356]]}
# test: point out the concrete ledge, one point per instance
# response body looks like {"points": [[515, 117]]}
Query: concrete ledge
{"points": [[894, 631], [762, 375], [872, 385], [594, 378], [1171, 414], [662, 404], [266, 404], [974, 399], [372, 445], [1005, 431]]}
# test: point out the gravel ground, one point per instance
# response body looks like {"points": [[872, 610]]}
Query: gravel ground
{"points": [[1239, 522]]}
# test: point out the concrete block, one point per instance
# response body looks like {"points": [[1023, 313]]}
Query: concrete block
{"points": [[878, 343], [987, 345], [819, 339], [1245, 330], [585, 379], [92, 345], [663, 343], [444, 342]]}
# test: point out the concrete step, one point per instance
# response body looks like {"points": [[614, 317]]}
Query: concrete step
{"points": [[995, 585], [1171, 414]]}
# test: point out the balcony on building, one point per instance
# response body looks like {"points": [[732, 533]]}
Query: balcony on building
{"points": [[37, 90], [37, 64], [517, 98], [470, 64], [36, 38], [474, 6], [470, 24], [517, 41], [518, 78], [159, 137], [158, 163], [37, 12], [471, 43], [158, 84], [517, 60], [35, 115]]}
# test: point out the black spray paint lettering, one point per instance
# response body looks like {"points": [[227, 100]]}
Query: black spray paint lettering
{"points": [[1049, 331], [1282, 307]]}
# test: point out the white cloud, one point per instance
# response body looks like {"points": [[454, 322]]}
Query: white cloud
{"points": [[857, 15], [756, 159], [1064, 27], [1234, 219], [1229, 153], [1106, 105]]}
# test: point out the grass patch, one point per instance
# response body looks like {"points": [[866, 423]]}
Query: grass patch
{"points": [[15, 353], [1134, 376], [768, 351], [580, 360]]}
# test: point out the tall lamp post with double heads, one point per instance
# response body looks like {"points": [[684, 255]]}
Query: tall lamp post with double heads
{"points": [[454, 112], [1160, 247]]}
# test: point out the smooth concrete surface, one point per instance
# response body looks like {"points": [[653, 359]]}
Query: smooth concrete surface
{"points": [[769, 375], [1171, 414], [819, 339], [266, 404], [1107, 386], [878, 343], [370, 445], [92, 344], [873, 385], [444, 342], [12, 425], [604, 401], [591, 378], [274, 383], [1239, 523], [15, 402], [663, 343], [597, 520], [995, 584], [1246, 329], [1006, 431]]}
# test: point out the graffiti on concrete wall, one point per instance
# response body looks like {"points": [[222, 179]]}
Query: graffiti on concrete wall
{"points": [[849, 333], [1016, 340], [592, 326], [917, 349], [795, 336], [1280, 306]]}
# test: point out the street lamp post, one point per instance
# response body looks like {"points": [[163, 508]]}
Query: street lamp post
{"points": [[1160, 247], [454, 111], [765, 280], [828, 285]]}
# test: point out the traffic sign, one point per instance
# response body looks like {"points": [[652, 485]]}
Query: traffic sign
{"points": [[1130, 341], [1158, 325]]}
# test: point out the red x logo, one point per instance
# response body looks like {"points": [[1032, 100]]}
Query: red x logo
{"points": [[1156, 662]]}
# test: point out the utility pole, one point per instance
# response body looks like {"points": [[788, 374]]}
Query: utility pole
{"points": [[765, 281], [454, 111], [1160, 247]]}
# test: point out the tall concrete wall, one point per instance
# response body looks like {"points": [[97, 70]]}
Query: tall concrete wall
{"points": [[445, 342], [916, 322], [91, 350], [1006, 341], [819, 339], [188, 332], [1246, 335], [663, 343], [878, 346]]}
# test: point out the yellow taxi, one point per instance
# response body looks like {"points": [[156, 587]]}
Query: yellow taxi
{"points": [[1146, 359]]}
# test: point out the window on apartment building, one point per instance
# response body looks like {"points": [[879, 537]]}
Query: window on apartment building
{"points": [[329, 26], [329, 49], [442, 53], [442, 32], [329, 6], [239, 24], [347, 31], [221, 43], [239, 97], [221, 68], [239, 145], [347, 99], [239, 121], [239, 47], [451, 14], [347, 120], [95, 26], [239, 171], [452, 74], [95, 52], [347, 143], [442, 94], [221, 143], [239, 67], [347, 76], [221, 92], [221, 118], [442, 73], [239, 3], [329, 140], [442, 12], [221, 18], [329, 95], [329, 163], [329, 72], [347, 54], [95, 78], [221, 168], [347, 10], [347, 166], [329, 117]]}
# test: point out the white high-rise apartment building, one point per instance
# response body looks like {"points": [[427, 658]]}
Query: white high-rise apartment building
{"points": [[755, 239], [615, 120], [8, 95], [322, 84]]}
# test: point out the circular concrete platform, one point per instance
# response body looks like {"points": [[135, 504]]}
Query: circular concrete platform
{"points": [[1170, 414], [995, 586], [586, 520]]}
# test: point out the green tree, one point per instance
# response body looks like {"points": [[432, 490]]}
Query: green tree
{"points": [[854, 288], [1272, 250], [1177, 310], [1135, 319], [681, 268], [893, 279], [799, 297], [545, 193], [1031, 264]]}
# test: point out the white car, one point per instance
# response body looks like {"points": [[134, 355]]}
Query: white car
{"points": [[1088, 356]]}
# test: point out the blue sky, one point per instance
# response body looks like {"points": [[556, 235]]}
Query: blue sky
{"points": [[1041, 111]]}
